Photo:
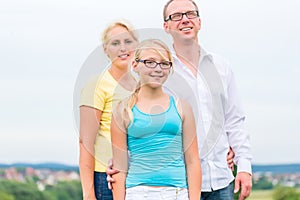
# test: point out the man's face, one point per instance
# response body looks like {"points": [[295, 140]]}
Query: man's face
{"points": [[183, 21]]}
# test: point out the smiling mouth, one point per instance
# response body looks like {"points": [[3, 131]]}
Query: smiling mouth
{"points": [[123, 56], [186, 29], [155, 76]]}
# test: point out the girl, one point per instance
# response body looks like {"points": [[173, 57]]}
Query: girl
{"points": [[159, 133], [96, 102]]}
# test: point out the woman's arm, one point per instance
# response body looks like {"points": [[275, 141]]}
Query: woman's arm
{"points": [[120, 158], [191, 154], [89, 125]]}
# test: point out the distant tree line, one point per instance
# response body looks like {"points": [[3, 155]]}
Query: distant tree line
{"points": [[71, 190], [66, 190]]}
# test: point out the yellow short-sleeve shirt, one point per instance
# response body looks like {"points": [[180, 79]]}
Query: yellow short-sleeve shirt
{"points": [[103, 93]]}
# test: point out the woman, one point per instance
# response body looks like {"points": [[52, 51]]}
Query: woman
{"points": [[159, 132], [96, 102]]}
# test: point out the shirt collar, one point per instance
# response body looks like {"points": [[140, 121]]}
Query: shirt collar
{"points": [[203, 54]]}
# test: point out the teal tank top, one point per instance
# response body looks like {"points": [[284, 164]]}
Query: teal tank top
{"points": [[155, 149]]}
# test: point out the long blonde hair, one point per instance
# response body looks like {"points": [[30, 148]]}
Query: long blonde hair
{"points": [[156, 45]]}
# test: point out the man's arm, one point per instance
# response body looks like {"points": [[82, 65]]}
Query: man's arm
{"points": [[239, 139], [110, 171], [244, 180], [230, 156]]}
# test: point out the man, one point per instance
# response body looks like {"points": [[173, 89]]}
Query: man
{"points": [[220, 118]]}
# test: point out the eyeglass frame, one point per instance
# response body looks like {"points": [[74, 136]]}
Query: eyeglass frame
{"points": [[185, 13], [156, 63]]}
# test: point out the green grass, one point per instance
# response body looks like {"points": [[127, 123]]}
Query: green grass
{"points": [[261, 195]]}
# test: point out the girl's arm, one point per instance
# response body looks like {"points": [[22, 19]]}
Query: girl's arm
{"points": [[120, 158], [89, 125], [191, 154]]}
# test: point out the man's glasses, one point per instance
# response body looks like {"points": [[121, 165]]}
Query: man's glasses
{"points": [[178, 16], [153, 64]]}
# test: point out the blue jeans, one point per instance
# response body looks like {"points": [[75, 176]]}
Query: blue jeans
{"points": [[222, 194], [101, 187]]}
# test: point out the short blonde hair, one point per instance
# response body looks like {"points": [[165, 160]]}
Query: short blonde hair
{"points": [[121, 23]]}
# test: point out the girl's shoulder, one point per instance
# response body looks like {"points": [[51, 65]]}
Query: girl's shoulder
{"points": [[182, 106]]}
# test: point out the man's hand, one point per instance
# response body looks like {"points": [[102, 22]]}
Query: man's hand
{"points": [[244, 180], [110, 172], [230, 156]]}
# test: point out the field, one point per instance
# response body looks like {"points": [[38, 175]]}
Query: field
{"points": [[261, 195]]}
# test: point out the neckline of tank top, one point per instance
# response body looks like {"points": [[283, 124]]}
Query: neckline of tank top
{"points": [[161, 113]]}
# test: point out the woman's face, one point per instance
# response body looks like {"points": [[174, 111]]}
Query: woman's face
{"points": [[120, 46], [155, 76]]}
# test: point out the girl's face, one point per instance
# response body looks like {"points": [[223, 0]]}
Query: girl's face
{"points": [[151, 75], [120, 46]]}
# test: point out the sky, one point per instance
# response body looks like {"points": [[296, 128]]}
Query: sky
{"points": [[46, 44]]}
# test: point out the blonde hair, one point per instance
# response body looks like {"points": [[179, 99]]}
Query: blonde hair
{"points": [[158, 46], [121, 23], [169, 2]]}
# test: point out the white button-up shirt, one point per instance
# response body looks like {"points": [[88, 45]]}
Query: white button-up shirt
{"points": [[219, 117]]}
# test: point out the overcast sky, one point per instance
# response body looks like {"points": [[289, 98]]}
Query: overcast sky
{"points": [[44, 45]]}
